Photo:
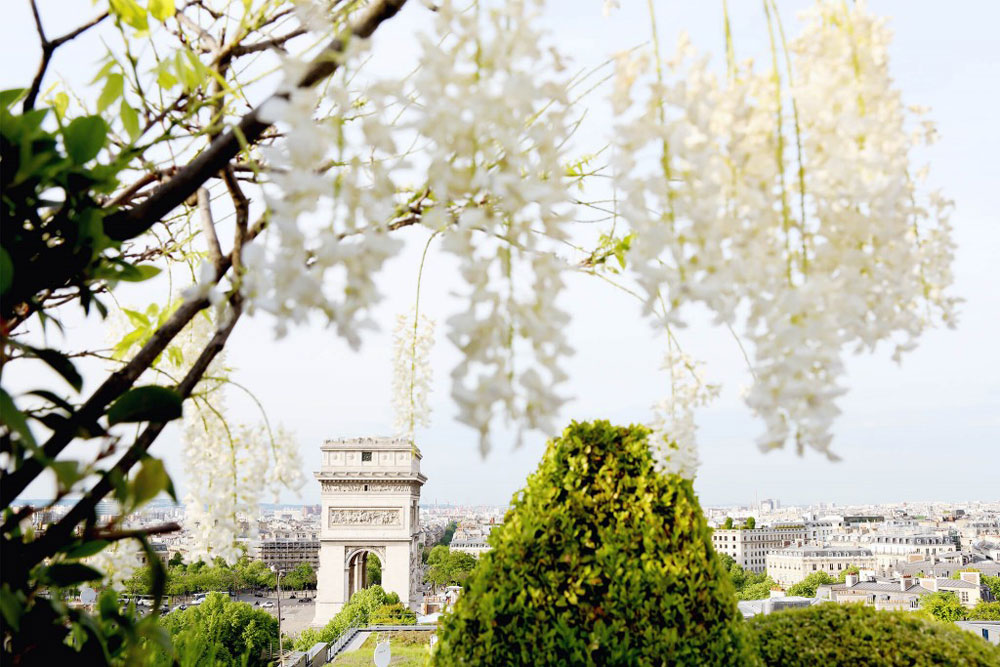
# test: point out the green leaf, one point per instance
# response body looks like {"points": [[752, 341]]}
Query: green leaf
{"points": [[113, 87], [161, 9], [148, 403], [61, 364], [117, 269], [60, 102], [67, 473], [84, 137], [164, 78], [67, 574], [175, 355], [9, 97], [136, 318], [11, 608], [14, 419], [149, 481], [131, 13], [130, 120], [87, 549], [6, 271], [146, 271]]}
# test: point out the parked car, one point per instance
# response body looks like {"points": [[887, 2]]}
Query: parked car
{"points": [[258, 594]]}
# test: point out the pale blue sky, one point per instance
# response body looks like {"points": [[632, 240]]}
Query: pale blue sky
{"points": [[900, 424]]}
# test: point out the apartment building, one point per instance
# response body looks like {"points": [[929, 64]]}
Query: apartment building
{"points": [[749, 546], [894, 549], [792, 565], [904, 593], [286, 554]]}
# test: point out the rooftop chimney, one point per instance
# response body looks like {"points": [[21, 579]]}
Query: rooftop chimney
{"points": [[905, 582], [851, 579], [930, 583], [971, 577]]}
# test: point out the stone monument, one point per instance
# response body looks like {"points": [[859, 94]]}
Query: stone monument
{"points": [[371, 500]]}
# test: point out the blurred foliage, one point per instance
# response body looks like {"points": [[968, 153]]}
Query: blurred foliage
{"points": [[853, 634]]}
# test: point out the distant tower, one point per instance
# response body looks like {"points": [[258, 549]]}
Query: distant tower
{"points": [[371, 499]]}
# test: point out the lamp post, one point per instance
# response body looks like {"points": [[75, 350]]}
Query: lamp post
{"points": [[281, 656]]}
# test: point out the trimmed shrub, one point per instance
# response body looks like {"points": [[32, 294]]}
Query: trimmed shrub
{"points": [[359, 611], [601, 561], [836, 634]]}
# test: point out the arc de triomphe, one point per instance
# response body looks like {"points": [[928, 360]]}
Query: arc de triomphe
{"points": [[371, 500]]}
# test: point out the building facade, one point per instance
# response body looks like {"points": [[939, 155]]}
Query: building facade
{"points": [[286, 554], [891, 550], [792, 565], [371, 498], [749, 546]]}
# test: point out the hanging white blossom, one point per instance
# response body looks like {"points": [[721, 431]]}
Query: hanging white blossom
{"points": [[781, 197], [672, 441], [228, 468], [824, 247], [118, 562], [494, 114], [411, 379], [331, 199]]}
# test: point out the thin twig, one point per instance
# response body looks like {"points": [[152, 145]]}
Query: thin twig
{"points": [[127, 224], [208, 226], [115, 535], [48, 48]]}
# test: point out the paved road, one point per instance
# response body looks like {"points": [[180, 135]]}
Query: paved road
{"points": [[295, 615]]}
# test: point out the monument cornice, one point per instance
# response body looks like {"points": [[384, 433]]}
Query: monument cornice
{"points": [[369, 475]]}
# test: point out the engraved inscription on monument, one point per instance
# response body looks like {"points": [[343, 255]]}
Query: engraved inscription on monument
{"points": [[369, 517]]}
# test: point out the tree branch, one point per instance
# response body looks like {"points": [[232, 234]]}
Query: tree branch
{"points": [[132, 222], [115, 535], [48, 48], [58, 534]]}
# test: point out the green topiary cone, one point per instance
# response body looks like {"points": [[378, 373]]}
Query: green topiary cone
{"points": [[601, 561]]}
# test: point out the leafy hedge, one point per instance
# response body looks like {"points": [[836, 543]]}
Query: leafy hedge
{"points": [[836, 634], [601, 561], [369, 606]]}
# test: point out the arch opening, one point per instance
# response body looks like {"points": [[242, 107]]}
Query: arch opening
{"points": [[364, 569]]}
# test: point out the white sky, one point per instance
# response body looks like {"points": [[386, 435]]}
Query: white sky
{"points": [[929, 429]]}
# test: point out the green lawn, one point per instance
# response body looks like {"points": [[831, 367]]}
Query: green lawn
{"points": [[409, 649]]}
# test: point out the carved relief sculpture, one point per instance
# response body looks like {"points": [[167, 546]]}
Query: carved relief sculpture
{"points": [[371, 517]]}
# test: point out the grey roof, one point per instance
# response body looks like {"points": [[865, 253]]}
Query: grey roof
{"points": [[885, 587], [954, 583]]}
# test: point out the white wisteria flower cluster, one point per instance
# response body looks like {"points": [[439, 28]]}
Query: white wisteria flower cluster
{"points": [[331, 199], [672, 441], [488, 108], [782, 196], [411, 379], [117, 562], [228, 467], [792, 208], [493, 110]]}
